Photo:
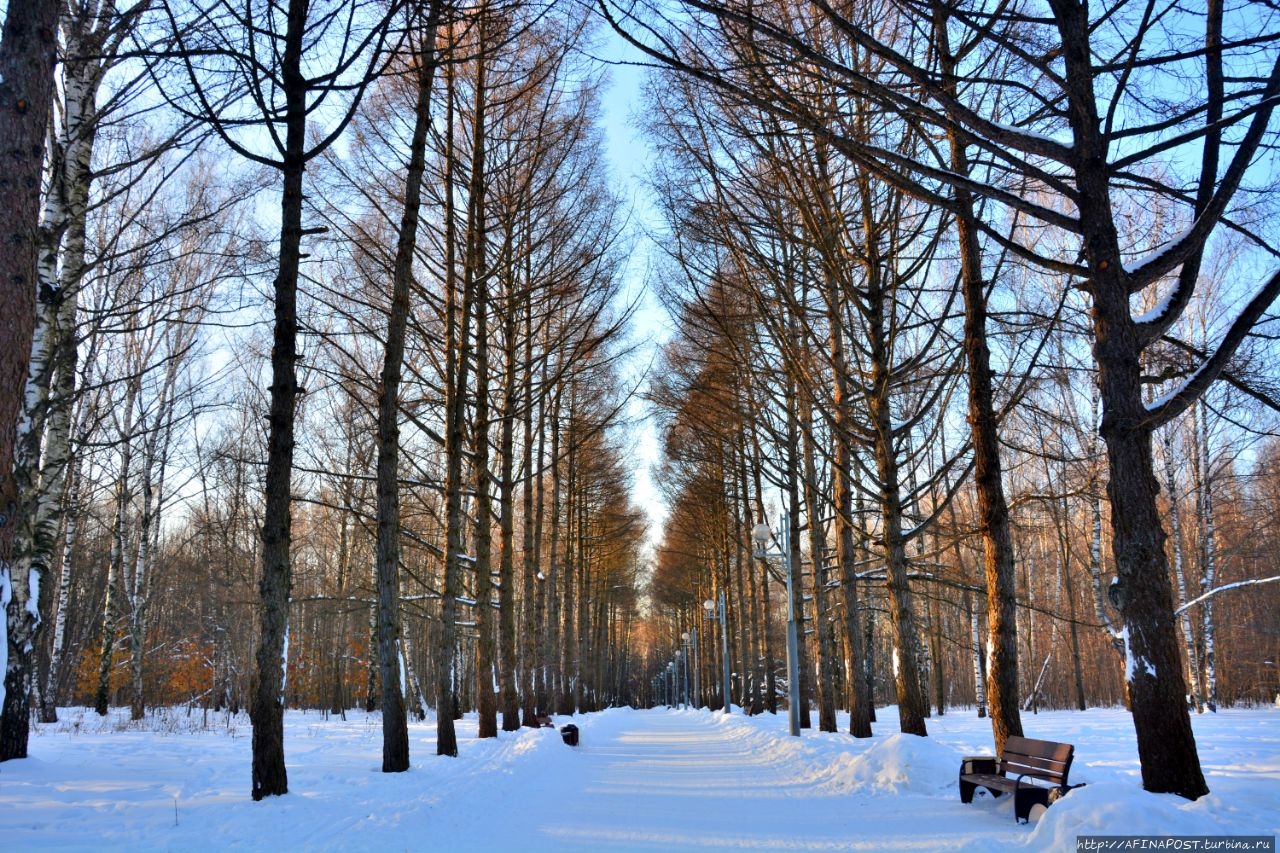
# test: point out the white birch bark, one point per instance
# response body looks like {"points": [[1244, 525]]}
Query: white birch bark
{"points": [[1095, 534], [1208, 576], [1175, 530], [90, 35], [975, 640]]}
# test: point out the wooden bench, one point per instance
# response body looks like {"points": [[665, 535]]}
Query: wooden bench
{"points": [[1021, 767], [544, 722]]}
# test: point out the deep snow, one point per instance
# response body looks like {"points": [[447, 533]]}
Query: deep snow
{"points": [[665, 780]]}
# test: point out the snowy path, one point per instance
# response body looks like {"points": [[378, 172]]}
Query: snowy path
{"points": [[693, 781], [641, 781], [682, 782]]}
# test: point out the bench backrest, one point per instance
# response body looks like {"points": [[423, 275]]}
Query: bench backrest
{"points": [[1042, 759]]}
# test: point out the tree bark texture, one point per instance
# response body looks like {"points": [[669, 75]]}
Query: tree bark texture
{"points": [[27, 50]]}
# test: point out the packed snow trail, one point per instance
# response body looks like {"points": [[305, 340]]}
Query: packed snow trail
{"points": [[683, 782], [688, 780]]}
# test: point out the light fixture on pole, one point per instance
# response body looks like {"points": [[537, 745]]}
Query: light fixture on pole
{"points": [[682, 672], [690, 638], [761, 535], [709, 607]]}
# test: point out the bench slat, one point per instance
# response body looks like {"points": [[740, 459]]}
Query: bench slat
{"points": [[1042, 759]]}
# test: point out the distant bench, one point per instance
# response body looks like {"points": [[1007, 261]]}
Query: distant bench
{"points": [[1022, 765], [544, 722]]}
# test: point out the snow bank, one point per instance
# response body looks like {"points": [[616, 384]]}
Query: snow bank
{"points": [[898, 764], [1116, 808]]}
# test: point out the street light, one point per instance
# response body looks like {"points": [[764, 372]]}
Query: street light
{"points": [[709, 606], [690, 638], [761, 534], [682, 679]]}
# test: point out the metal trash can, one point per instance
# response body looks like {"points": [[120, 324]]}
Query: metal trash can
{"points": [[570, 734]]}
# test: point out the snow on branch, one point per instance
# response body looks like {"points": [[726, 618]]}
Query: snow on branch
{"points": [[1177, 401], [1211, 593]]}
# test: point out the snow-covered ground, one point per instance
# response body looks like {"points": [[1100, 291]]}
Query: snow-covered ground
{"points": [[666, 780]]}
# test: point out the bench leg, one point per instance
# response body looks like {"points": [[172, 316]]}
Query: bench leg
{"points": [[1024, 799]]}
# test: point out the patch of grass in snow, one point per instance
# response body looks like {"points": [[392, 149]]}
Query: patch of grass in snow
{"points": [[161, 721]]}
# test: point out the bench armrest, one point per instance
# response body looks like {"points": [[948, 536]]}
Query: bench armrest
{"points": [[979, 764]]}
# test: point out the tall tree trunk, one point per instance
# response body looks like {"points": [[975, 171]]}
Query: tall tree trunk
{"points": [[388, 630], [975, 644], [549, 688], [508, 668], [53, 678], [993, 509], [737, 536], [155, 456], [818, 559], [842, 501], [119, 547], [799, 692], [1157, 690], [568, 612], [752, 612], [902, 621], [486, 699], [1077, 666], [110, 607], [44, 433], [770, 671], [266, 709], [1208, 576], [478, 271], [27, 52], [535, 584], [1180, 577], [457, 366], [935, 653]]}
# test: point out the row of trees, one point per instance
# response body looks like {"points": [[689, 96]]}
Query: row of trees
{"points": [[928, 251], [435, 511]]}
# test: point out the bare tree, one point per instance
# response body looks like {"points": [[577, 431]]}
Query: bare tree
{"points": [[274, 66]]}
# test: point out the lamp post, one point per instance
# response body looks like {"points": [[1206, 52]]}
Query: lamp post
{"points": [[671, 683], [682, 677], [761, 534], [709, 606], [690, 638]]}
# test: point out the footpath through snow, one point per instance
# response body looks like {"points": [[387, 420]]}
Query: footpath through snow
{"points": [[641, 781]]}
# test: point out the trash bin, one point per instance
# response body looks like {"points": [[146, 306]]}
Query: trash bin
{"points": [[570, 734]]}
